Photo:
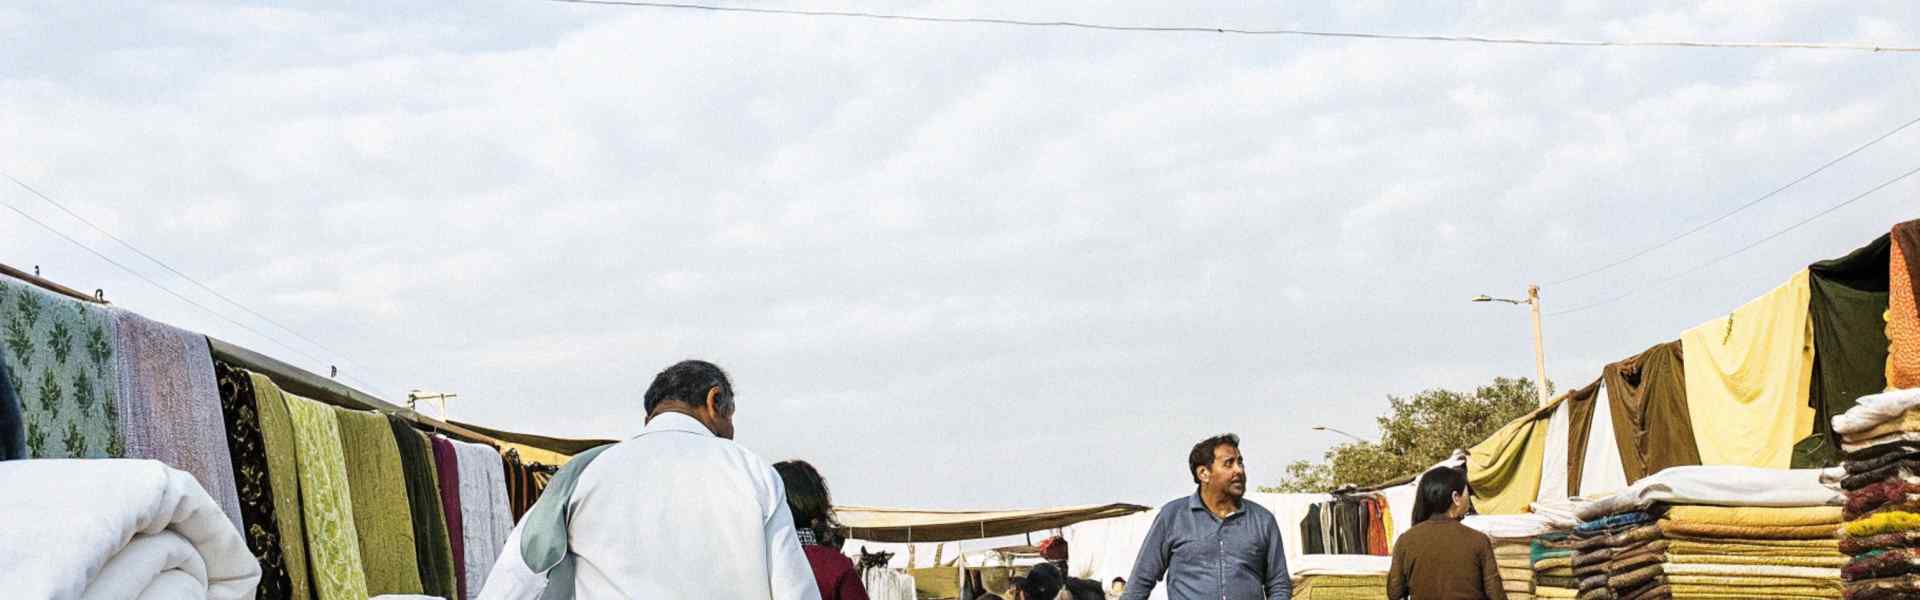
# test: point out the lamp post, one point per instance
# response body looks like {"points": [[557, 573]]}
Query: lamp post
{"points": [[1539, 346], [1332, 430], [414, 397]]}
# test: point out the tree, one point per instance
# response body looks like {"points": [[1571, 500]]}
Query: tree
{"points": [[1416, 433]]}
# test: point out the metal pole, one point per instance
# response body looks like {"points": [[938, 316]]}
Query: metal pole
{"points": [[1539, 346]]}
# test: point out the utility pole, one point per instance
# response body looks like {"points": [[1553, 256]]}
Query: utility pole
{"points": [[414, 397], [1539, 343]]}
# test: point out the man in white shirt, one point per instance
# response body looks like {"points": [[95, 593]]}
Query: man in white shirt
{"points": [[679, 511]]}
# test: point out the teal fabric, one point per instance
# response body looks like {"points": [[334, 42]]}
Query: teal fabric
{"points": [[543, 531]]}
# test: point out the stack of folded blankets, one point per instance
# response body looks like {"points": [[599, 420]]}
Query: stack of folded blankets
{"points": [[1881, 478], [1552, 561], [1712, 533], [1512, 537], [1341, 577]]}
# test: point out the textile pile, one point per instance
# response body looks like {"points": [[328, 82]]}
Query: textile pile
{"points": [[138, 529], [1551, 558], [1348, 524], [1882, 533], [1712, 533], [1341, 577], [1513, 540]]}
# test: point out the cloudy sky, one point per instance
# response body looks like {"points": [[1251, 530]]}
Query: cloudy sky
{"points": [[952, 265]]}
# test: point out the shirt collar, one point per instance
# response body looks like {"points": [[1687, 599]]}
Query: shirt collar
{"points": [[1195, 503], [674, 421]]}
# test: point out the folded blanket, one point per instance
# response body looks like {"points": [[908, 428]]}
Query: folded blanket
{"points": [[1879, 523], [1585, 572], [1511, 574], [1554, 563], [1598, 593], [1627, 580], [1657, 591], [1897, 453], [1753, 582], [1645, 555], [1862, 545], [1718, 486], [1890, 588], [1755, 571], [1597, 556], [1904, 469], [1892, 563], [1907, 422], [1559, 572], [1718, 592], [1556, 593], [1559, 582], [1831, 561], [1895, 438], [333, 546], [1881, 451], [1593, 582], [130, 529], [1539, 554], [1749, 516], [1875, 409], [1613, 521], [1871, 497], [1823, 547], [1800, 532], [1636, 536]]}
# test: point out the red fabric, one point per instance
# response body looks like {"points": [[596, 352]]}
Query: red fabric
{"points": [[835, 574], [1053, 548], [449, 471], [1376, 530]]}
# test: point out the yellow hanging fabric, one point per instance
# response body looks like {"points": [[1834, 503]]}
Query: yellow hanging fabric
{"points": [[1748, 375], [1503, 471]]}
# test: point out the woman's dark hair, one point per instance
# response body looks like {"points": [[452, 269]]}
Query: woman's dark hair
{"points": [[808, 498], [1435, 492]]}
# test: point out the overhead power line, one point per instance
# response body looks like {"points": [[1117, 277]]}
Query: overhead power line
{"points": [[1763, 197], [170, 291], [1468, 39], [1756, 243]]}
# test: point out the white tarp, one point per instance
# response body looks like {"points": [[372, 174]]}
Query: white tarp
{"points": [[1719, 486], [1601, 473], [1553, 460]]}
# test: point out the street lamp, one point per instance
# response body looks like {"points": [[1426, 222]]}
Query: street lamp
{"points": [[1539, 347], [1332, 430], [415, 396]]}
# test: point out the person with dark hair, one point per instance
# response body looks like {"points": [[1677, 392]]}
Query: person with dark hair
{"points": [[679, 511], [1214, 543], [1042, 582], [1439, 558], [812, 506], [1116, 588]]}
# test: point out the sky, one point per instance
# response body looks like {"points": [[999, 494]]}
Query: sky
{"points": [[954, 266]]}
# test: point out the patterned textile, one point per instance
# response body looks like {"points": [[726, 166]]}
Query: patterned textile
{"points": [[485, 517], [447, 469], [172, 404], [1880, 456], [59, 359], [1899, 561], [13, 427], [1863, 545], [1737, 532], [1613, 521], [254, 481], [1872, 497], [1891, 588], [1905, 469], [1634, 579], [1903, 322], [521, 493], [1886, 522], [429, 517], [1828, 561], [277, 440], [381, 518], [333, 544], [1757, 516]]}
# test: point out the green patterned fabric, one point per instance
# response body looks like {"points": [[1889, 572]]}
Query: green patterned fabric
{"points": [[333, 544], [378, 487], [283, 474], [59, 358]]}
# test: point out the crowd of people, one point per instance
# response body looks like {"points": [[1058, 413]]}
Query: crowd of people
{"points": [[683, 511]]}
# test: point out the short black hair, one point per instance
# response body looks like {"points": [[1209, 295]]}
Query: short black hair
{"points": [[1119, 580], [1435, 492], [808, 497], [1043, 582], [1202, 454], [687, 382]]}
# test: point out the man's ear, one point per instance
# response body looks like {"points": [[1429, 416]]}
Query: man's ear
{"points": [[713, 400]]}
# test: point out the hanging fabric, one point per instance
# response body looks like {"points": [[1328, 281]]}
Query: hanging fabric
{"points": [[446, 465], [1747, 379], [1554, 475], [1903, 313], [13, 427], [171, 404], [1504, 470], [333, 544], [430, 542], [282, 557], [59, 358], [1652, 422], [1580, 410], [380, 513], [1847, 303]]}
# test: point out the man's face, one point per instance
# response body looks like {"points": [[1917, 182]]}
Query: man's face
{"points": [[1117, 588], [1227, 473]]}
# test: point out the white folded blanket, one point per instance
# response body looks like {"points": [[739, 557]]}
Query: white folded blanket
{"points": [[117, 529], [1718, 486], [1872, 410]]}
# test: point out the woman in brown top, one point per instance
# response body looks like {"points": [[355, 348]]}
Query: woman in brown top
{"points": [[1438, 558]]}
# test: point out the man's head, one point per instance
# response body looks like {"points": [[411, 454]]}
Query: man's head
{"points": [[1216, 465], [1117, 587], [695, 388], [1042, 582]]}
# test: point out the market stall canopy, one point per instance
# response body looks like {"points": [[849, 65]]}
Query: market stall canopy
{"points": [[918, 525]]}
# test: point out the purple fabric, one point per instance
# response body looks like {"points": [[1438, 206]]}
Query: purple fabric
{"points": [[449, 469]]}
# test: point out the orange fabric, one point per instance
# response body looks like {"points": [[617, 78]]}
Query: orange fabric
{"points": [[1376, 529], [1903, 325]]}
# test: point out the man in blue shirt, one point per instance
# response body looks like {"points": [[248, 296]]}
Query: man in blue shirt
{"points": [[1215, 543]]}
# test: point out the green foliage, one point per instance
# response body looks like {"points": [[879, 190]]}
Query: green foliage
{"points": [[1415, 433]]}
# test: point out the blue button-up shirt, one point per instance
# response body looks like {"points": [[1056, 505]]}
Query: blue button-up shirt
{"points": [[1204, 557]]}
